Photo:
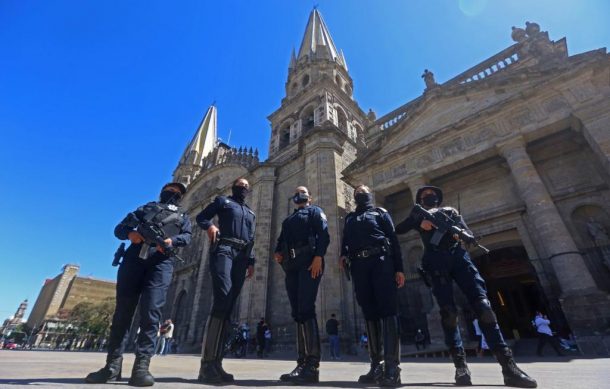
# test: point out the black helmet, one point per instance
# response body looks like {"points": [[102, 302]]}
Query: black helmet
{"points": [[176, 184], [439, 193]]}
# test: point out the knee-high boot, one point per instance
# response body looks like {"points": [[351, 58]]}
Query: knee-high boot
{"points": [[301, 355], [310, 372], [226, 377], [209, 373], [391, 353], [373, 330]]}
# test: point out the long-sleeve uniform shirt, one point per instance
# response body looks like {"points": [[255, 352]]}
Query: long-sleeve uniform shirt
{"points": [[412, 222], [235, 220], [369, 228], [306, 222], [179, 231]]}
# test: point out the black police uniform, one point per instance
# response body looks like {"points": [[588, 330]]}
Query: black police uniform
{"points": [[144, 282], [447, 262], [229, 260], [371, 246], [304, 235]]}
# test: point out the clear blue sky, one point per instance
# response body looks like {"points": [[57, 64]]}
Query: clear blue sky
{"points": [[98, 99]]}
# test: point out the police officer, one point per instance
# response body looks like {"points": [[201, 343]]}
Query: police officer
{"points": [[145, 281], [446, 262], [300, 250], [371, 247], [231, 261]]}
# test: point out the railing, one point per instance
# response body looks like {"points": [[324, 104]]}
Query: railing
{"points": [[493, 65]]}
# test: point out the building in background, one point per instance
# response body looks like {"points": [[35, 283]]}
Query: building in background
{"points": [[59, 296], [14, 322], [519, 142]]}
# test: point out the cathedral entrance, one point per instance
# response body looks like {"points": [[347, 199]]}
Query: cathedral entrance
{"points": [[513, 289]]}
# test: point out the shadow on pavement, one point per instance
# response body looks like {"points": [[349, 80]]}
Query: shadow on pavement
{"points": [[30, 381]]}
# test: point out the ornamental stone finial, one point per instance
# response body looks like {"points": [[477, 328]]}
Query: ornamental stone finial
{"points": [[518, 34]]}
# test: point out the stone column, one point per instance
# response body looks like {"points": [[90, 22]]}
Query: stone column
{"points": [[584, 306], [433, 317]]}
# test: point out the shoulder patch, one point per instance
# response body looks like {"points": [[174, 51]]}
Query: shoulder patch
{"points": [[323, 216], [172, 207], [383, 210]]}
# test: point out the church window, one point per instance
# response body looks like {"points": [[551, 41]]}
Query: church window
{"points": [[285, 137], [341, 120], [305, 80], [338, 81], [307, 118]]}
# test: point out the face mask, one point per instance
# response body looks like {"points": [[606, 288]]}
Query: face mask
{"points": [[430, 200], [167, 196], [363, 198], [300, 198], [240, 192]]}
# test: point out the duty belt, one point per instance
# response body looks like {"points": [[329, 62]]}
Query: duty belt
{"points": [[296, 251], [369, 252], [234, 242]]}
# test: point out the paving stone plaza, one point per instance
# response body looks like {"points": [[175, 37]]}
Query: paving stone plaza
{"points": [[51, 369]]}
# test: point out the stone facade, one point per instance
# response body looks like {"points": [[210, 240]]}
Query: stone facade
{"points": [[520, 143]]}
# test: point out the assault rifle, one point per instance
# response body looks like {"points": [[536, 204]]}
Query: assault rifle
{"points": [[446, 225], [152, 232]]}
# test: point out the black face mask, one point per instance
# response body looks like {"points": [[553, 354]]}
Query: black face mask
{"points": [[169, 197], [240, 192], [430, 200], [363, 199], [300, 198]]}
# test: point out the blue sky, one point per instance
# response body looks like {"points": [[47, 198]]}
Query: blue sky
{"points": [[98, 99]]}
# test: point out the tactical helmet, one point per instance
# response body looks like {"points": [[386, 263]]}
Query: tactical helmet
{"points": [[180, 186]]}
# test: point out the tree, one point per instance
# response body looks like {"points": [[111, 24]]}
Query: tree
{"points": [[94, 319]]}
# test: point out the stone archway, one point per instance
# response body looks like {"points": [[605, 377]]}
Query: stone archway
{"points": [[513, 289]]}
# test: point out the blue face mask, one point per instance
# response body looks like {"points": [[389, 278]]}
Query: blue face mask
{"points": [[300, 198]]}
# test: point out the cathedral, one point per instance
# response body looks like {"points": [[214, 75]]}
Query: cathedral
{"points": [[520, 143]]}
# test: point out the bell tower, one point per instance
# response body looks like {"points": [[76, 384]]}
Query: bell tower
{"points": [[319, 90]]}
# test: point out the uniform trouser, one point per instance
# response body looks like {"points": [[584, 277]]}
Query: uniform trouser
{"points": [[375, 285], [228, 267], [146, 282], [444, 267], [302, 291]]}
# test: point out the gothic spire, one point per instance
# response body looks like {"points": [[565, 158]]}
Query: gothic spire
{"points": [[317, 42], [205, 139]]}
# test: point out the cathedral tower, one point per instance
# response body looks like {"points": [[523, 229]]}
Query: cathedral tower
{"points": [[315, 134]]}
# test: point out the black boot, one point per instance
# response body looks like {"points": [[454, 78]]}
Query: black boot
{"points": [[140, 376], [110, 372], [391, 353], [373, 330], [462, 373], [310, 372], [301, 355], [226, 377], [513, 376], [209, 373]]}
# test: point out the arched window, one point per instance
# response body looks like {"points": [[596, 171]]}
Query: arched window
{"points": [[305, 80], [307, 118], [338, 81], [341, 119], [285, 136]]}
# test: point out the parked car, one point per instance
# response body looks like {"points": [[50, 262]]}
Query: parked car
{"points": [[10, 345]]}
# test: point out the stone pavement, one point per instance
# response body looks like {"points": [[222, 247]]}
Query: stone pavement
{"points": [[51, 369]]}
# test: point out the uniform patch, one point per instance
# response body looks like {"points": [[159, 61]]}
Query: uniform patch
{"points": [[323, 216], [172, 207]]}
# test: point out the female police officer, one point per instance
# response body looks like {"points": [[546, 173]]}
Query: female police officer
{"points": [[300, 250], [231, 259], [371, 247]]}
